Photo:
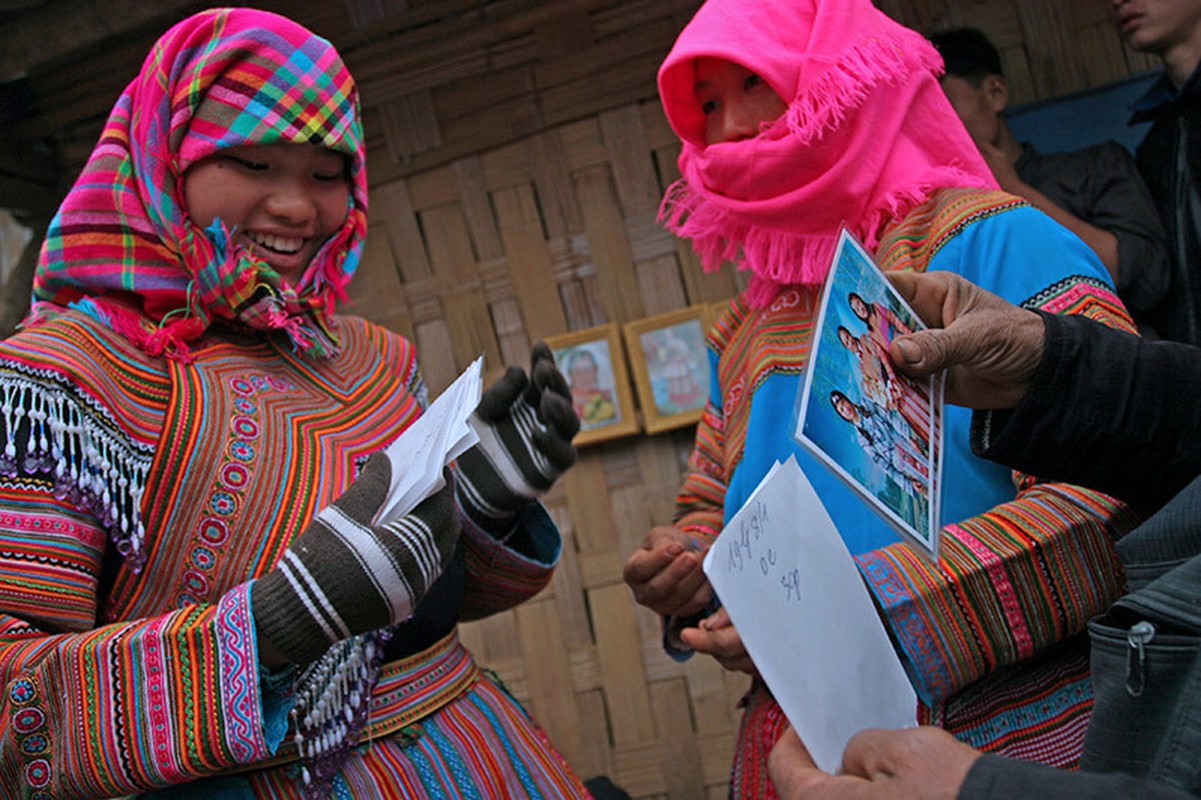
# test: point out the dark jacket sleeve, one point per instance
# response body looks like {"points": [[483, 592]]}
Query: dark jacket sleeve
{"points": [[1123, 206], [1106, 410], [997, 778]]}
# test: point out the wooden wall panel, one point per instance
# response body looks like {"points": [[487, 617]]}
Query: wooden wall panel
{"points": [[530, 260]]}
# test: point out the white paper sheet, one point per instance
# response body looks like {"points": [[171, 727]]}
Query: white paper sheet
{"points": [[806, 618], [439, 436]]}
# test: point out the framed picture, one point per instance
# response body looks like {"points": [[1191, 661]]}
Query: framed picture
{"points": [[593, 361], [670, 366]]}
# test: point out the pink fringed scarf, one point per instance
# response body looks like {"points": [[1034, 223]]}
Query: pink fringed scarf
{"points": [[122, 247], [867, 136]]}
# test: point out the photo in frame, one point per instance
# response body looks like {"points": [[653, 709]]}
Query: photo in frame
{"points": [[670, 364], [594, 364], [877, 429]]}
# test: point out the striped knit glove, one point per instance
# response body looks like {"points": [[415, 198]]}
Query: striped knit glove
{"points": [[525, 427], [342, 576]]}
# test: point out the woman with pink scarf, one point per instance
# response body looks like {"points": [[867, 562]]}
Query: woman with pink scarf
{"points": [[799, 117]]}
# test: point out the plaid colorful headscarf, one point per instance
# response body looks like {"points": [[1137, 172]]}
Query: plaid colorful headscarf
{"points": [[868, 134], [122, 246]]}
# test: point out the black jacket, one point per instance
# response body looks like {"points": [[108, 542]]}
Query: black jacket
{"points": [[1102, 186], [1169, 159]]}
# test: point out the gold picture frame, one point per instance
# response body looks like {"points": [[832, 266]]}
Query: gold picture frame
{"points": [[594, 362], [670, 364]]}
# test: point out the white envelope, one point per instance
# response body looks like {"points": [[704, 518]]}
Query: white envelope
{"points": [[797, 599]]}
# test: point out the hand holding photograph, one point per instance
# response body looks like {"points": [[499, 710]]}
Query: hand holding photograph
{"points": [[877, 429]]}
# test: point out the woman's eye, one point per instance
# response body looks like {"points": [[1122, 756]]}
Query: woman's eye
{"points": [[708, 107], [248, 163], [751, 82], [331, 167]]}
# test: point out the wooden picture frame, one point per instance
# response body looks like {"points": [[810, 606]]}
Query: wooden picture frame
{"points": [[670, 364], [594, 362]]}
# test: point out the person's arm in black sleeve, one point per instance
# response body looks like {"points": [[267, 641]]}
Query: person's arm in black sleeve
{"points": [[1105, 409], [996, 778], [1123, 206], [931, 764]]}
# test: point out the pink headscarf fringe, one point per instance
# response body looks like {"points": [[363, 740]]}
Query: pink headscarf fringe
{"points": [[719, 238], [849, 82]]}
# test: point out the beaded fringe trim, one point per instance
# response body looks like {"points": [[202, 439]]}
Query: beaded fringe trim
{"points": [[332, 702], [48, 430]]}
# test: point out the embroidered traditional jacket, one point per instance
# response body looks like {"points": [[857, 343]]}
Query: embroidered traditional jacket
{"points": [[138, 499]]}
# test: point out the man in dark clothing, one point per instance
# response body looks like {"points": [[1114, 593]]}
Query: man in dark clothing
{"points": [[1169, 158], [1072, 400], [1095, 192]]}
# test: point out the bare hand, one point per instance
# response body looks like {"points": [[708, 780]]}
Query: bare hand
{"points": [[665, 573], [990, 347], [877, 765], [718, 637]]}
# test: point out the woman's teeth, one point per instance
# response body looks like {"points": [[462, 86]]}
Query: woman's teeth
{"points": [[278, 244]]}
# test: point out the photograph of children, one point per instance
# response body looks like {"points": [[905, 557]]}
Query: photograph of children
{"points": [[677, 366], [877, 428]]}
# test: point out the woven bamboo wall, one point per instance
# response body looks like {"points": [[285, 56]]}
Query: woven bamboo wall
{"points": [[554, 230], [518, 155]]}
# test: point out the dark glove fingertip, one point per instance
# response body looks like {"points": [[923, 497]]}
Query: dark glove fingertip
{"points": [[378, 462], [558, 413], [541, 352], [371, 486], [499, 397], [544, 372], [550, 379], [560, 452]]}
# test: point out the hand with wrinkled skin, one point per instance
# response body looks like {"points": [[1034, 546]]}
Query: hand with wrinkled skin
{"points": [[717, 636], [990, 347], [665, 574], [878, 764]]}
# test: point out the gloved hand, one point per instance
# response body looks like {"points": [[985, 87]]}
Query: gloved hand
{"points": [[525, 427], [342, 576]]}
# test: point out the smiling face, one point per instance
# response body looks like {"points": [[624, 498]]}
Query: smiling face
{"points": [[858, 307], [735, 101], [280, 200], [582, 372], [845, 408]]}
